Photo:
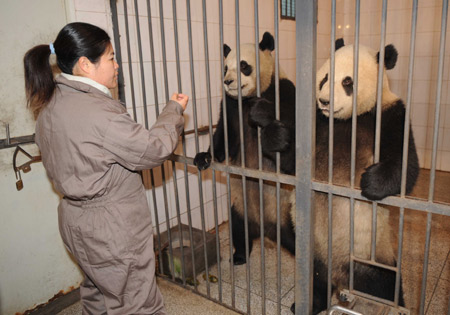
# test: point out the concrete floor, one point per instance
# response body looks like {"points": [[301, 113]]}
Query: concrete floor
{"points": [[181, 301]]}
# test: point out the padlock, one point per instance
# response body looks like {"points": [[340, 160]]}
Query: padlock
{"points": [[19, 185]]}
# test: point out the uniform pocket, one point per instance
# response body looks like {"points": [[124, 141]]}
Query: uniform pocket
{"points": [[98, 236]]}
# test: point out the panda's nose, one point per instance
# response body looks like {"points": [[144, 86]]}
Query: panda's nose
{"points": [[324, 102], [228, 82]]}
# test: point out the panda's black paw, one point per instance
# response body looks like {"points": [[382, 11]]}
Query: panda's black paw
{"points": [[239, 259], [261, 113], [378, 182], [202, 160], [275, 137]]}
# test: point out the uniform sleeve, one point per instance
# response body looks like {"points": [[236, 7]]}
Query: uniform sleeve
{"points": [[136, 148]]}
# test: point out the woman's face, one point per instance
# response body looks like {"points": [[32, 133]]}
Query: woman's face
{"points": [[106, 69]]}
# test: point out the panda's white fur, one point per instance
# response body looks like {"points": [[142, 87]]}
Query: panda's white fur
{"points": [[367, 78]]}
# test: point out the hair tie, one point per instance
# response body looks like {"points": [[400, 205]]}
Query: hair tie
{"points": [[52, 49]]}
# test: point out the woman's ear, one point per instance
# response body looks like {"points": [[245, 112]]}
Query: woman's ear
{"points": [[83, 67]]}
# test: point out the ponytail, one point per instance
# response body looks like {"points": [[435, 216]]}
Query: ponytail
{"points": [[39, 84], [75, 40]]}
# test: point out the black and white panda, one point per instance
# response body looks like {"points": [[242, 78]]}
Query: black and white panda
{"points": [[377, 181], [202, 160]]}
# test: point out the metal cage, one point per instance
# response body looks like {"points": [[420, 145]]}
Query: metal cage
{"points": [[129, 19]]}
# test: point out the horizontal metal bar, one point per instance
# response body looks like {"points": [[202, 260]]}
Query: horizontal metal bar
{"points": [[237, 170], [376, 299], [410, 203], [201, 130], [14, 142], [374, 263]]}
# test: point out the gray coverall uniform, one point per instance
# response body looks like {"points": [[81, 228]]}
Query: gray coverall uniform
{"points": [[91, 149]]}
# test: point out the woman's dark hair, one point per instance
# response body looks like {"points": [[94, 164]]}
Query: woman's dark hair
{"points": [[75, 40]]}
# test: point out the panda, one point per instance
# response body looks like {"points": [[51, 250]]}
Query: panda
{"points": [[376, 180], [247, 69]]}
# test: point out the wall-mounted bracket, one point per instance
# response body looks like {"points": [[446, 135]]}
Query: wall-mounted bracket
{"points": [[25, 167], [9, 142]]}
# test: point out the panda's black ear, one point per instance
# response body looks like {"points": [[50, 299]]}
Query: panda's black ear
{"points": [[267, 42], [338, 44], [226, 50], [390, 56]]}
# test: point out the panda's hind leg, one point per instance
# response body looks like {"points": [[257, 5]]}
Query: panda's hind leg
{"points": [[238, 233], [376, 281]]}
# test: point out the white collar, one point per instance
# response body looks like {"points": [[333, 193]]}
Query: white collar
{"points": [[88, 81]]}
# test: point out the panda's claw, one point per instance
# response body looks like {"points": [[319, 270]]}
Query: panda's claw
{"points": [[239, 259], [261, 113], [202, 160], [276, 137], [378, 182]]}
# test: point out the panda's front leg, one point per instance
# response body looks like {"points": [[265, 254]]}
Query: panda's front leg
{"points": [[379, 181], [275, 135], [203, 159]]}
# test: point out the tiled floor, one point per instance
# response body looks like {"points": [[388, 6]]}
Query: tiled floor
{"points": [[181, 301]]}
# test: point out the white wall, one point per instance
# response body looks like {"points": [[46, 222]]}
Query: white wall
{"points": [[34, 265]]}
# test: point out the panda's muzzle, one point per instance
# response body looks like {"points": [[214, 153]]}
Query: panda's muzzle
{"points": [[324, 102]]}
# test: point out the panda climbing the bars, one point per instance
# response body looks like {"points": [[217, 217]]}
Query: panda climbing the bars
{"points": [[376, 180], [247, 71]]}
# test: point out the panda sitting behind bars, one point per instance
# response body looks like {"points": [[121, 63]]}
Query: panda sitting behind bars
{"points": [[203, 159], [377, 180]]}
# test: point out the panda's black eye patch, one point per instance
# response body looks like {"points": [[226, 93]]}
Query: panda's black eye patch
{"points": [[324, 80], [246, 69], [225, 70], [347, 83]]}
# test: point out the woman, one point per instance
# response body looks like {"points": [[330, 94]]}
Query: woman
{"points": [[91, 150]]}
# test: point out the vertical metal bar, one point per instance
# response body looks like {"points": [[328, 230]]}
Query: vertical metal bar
{"points": [[399, 256], [353, 145], [405, 147], [261, 182], [155, 94], [225, 125], [408, 99], [174, 173], [130, 68], [241, 136], [158, 234], [163, 48], [355, 93], [117, 50], [194, 103], [330, 152], [306, 31], [141, 64], [438, 98], [208, 95], [277, 116], [425, 265], [163, 173], [378, 119]]}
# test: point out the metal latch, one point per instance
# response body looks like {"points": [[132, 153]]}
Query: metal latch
{"points": [[25, 167]]}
